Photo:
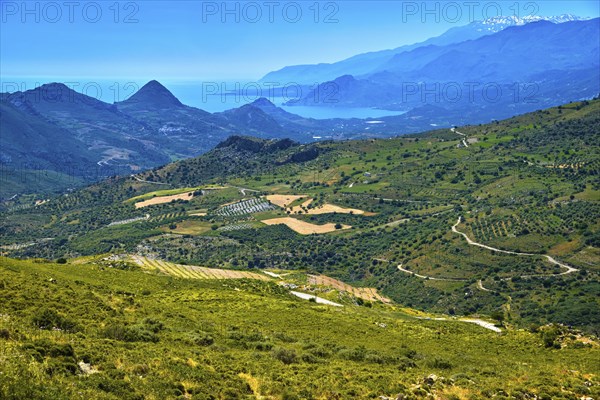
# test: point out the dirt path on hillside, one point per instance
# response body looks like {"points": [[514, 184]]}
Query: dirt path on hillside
{"points": [[480, 286], [318, 300], [464, 139], [568, 268], [430, 277], [142, 180], [476, 321], [244, 190]]}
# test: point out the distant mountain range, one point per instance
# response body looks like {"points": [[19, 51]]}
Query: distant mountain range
{"points": [[533, 65], [516, 70], [54, 128], [367, 63]]}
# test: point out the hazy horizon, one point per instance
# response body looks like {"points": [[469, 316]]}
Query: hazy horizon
{"points": [[203, 41]]}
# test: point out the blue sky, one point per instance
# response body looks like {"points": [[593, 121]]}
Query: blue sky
{"points": [[202, 40]]}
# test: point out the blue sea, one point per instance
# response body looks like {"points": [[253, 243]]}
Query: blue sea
{"points": [[212, 96]]}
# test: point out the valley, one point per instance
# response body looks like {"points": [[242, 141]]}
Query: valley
{"points": [[407, 207], [426, 222]]}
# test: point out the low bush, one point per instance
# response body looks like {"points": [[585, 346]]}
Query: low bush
{"points": [[286, 356], [49, 319]]}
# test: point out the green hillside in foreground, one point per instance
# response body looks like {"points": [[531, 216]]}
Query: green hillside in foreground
{"points": [[104, 330], [524, 191]]}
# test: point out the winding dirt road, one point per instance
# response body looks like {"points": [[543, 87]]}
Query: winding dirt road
{"points": [[142, 180], [568, 268], [480, 286], [430, 277]]}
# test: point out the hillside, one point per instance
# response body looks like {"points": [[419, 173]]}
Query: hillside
{"points": [[499, 220], [56, 139], [493, 76], [103, 329], [364, 64]]}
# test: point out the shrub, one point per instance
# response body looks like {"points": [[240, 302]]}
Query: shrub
{"points": [[288, 395], [60, 357], [309, 358], [286, 356], [153, 325], [134, 333], [357, 354], [406, 363], [62, 367], [50, 319], [439, 363], [46, 348], [549, 338], [320, 352], [203, 340], [262, 346], [284, 338]]}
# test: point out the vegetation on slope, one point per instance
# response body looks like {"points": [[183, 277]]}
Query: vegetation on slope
{"points": [[106, 330], [527, 184]]}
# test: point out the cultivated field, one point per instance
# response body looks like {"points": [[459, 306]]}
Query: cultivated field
{"points": [[283, 200], [250, 206], [194, 272], [164, 199], [301, 207], [369, 294], [303, 228], [331, 208], [190, 227]]}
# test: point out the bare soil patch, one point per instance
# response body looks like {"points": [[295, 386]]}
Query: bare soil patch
{"points": [[332, 208], [302, 227], [283, 200], [369, 294], [164, 199]]}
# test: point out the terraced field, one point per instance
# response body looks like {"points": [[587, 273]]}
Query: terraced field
{"points": [[164, 199], [192, 271], [245, 207], [235, 227], [302, 227]]}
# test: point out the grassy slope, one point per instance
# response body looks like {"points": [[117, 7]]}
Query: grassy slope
{"points": [[160, 337]]}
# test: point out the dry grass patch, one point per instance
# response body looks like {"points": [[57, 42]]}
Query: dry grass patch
{"points": [[283, 200], [369, 294], [304, 228], [164, 199], [189, 227], [565, 248], [331, 208], [301, 207]]}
